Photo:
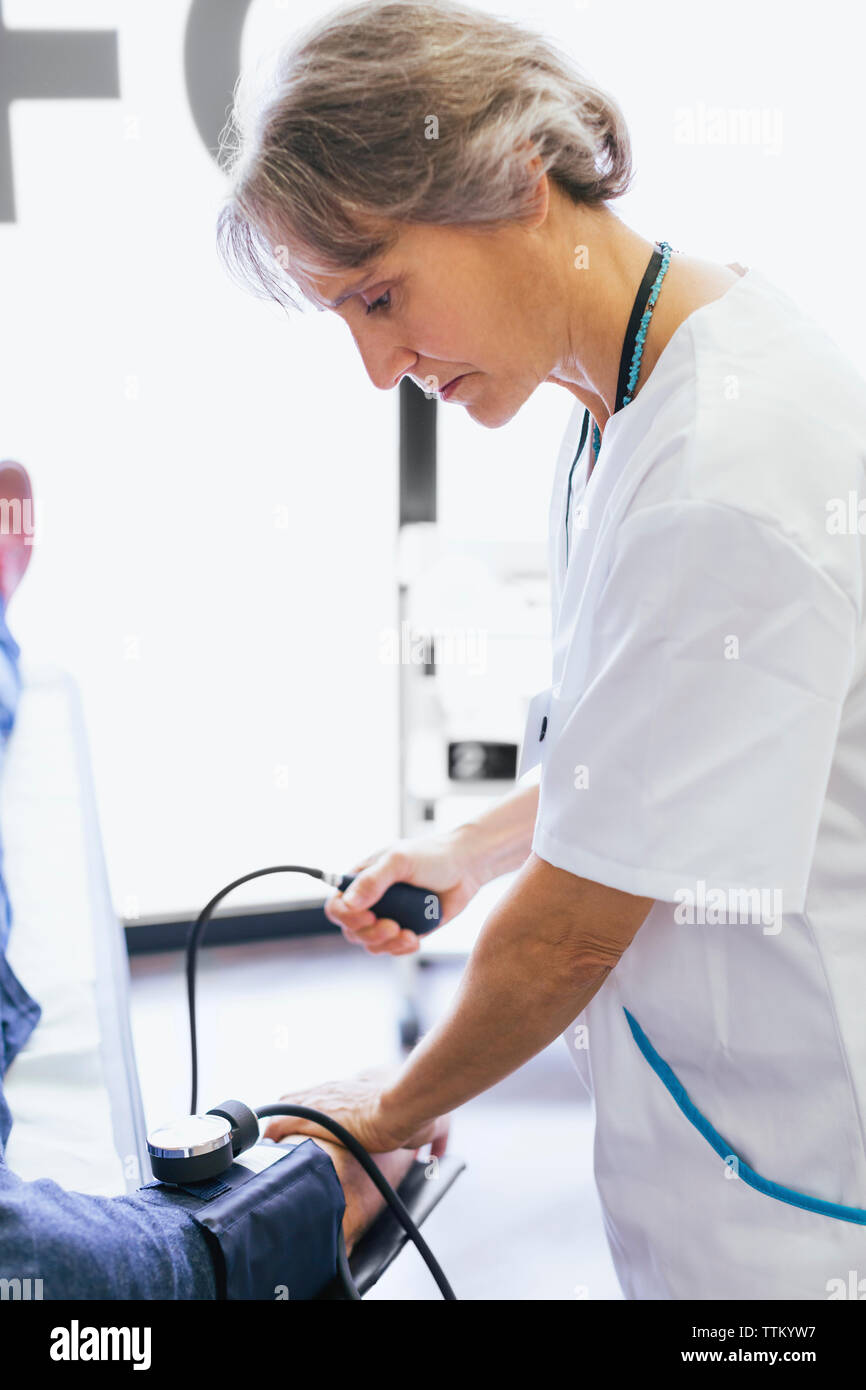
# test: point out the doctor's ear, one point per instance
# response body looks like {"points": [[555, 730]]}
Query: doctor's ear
{"points": [[538, 198]]}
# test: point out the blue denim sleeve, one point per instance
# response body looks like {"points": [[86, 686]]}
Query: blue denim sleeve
{"points": [[78, 1246]]}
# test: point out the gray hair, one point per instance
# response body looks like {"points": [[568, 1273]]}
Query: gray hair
{"points": [[409, 111]]}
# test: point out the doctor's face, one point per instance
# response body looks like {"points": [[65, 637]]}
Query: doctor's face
{"points": [[446, 303]]}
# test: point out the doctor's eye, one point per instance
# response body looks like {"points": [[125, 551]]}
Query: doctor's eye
{"points": [[380, 303]]}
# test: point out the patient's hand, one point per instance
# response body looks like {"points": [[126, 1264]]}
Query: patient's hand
{"points": [[363, 1199]]}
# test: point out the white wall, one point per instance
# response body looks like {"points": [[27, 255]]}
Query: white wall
{"points": [[791, 206], [227, 650], [238, 710]]}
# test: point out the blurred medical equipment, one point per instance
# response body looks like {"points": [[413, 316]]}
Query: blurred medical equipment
{"points": [[475, 646]]}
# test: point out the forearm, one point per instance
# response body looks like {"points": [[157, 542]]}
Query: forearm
{"points": [[525, 981], [500, 839], [363, 1199]]}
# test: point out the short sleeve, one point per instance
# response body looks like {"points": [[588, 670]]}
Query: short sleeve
{"points": [[693, 731]]}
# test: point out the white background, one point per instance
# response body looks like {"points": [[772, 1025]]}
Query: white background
{"points": [[216, 485]]}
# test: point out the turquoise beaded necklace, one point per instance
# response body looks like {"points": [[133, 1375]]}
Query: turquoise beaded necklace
{"points": [[630, 359], [640, 339]]}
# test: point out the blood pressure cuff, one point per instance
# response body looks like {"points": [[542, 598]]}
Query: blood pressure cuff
{"points": [[272, 1234]]}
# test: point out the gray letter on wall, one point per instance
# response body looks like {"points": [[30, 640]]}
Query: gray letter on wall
{"points": [[39, 63]]}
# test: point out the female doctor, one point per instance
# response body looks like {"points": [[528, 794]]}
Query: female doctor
{"points": [[690, 910]]}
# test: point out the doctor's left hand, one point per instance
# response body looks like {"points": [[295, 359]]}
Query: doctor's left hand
{"points": [[356, 1103]]}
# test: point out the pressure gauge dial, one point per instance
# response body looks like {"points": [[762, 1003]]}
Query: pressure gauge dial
{"points": [[191, 1149]]}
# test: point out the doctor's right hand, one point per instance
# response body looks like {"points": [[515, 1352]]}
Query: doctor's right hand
{"points": [[443, 863]]}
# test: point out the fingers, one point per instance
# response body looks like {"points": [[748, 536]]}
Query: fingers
{"points": [[439, 1145], [394, 1165], [398, 941], [385, 937], [378, 935], [338, 911], [281, 1125], [370, 884], [351, 911]]}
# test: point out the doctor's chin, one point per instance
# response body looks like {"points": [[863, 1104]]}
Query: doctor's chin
{"points": [[432, 674]]}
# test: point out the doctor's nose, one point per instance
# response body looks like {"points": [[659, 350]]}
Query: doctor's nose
{"points": [[387, 366], [426, 379]]}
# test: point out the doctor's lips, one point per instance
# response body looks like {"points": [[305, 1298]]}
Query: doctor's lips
{"points": [[445, 391]]}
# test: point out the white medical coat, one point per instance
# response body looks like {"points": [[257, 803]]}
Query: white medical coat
{"points": [[705, 740]]}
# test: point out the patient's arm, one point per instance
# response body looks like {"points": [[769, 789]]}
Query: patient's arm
{"points": [[147, 1246]]}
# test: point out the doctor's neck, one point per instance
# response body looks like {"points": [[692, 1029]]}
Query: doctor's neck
{"points": [[604, 263]]}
